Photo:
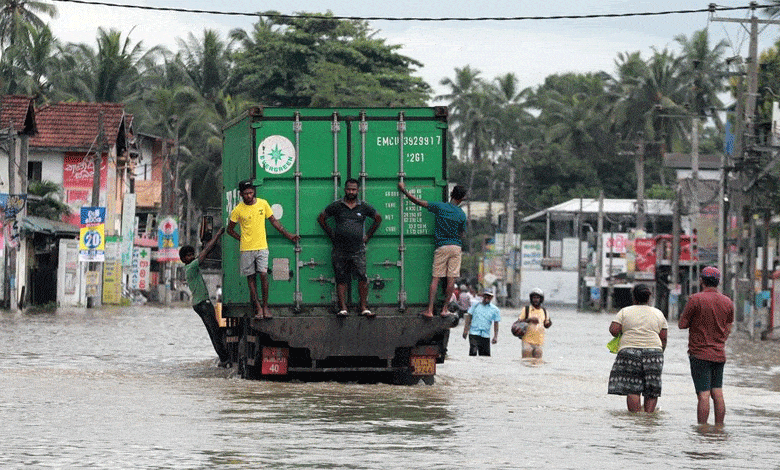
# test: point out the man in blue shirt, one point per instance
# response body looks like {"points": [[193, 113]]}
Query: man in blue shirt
{"points": [[477, 325], [447, 233]]}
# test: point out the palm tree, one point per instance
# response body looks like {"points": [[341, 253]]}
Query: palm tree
{"points": [[109, 74], [16, 14], [32, 61], [206, 61], [703, 68], [45, 200]]}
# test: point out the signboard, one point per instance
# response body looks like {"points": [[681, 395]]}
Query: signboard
{"points": [[614, 248], [139, 268], [92, 236], [11, 204], [77, 179], [128, 229], [532, 254], [112, 273], [168, 239], [570, 254], [93, 283]]}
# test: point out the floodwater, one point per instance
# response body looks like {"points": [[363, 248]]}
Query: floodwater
{"points": [[137, 387]]}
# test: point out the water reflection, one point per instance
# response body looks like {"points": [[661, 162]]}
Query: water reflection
{"points": [[138, 388]]}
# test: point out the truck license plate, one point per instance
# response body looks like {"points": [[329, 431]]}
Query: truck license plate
{"points": [[274, 361], [423, 365]]}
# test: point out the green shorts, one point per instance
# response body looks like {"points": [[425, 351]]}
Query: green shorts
{"points": [[706, 374]]}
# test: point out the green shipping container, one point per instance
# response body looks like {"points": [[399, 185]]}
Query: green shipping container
{"points": [[299, 160]]}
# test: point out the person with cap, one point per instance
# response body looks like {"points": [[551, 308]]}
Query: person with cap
{"points": [[478, 321], [538, 320], [449, 227], [639, 363], [250, 214], [349, 240], [708, 317]]}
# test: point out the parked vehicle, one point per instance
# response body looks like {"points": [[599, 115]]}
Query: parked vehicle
{"points": [[299, 160]]}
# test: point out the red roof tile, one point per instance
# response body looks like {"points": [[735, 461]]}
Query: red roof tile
{"points": [[75, 125], [17, 110]]}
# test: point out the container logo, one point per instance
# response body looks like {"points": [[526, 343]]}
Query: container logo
{"points": [[276, 154]]}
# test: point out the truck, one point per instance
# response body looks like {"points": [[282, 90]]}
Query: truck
{"points": [[298, 160]]}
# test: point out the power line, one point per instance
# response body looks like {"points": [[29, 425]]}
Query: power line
{"points": [[413, 18]]}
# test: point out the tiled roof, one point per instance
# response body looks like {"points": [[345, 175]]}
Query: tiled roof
{"points": [[75, 125], [17, 110]]}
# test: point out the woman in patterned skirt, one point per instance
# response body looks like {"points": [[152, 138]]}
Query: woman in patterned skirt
{"points": [[640, 358]]}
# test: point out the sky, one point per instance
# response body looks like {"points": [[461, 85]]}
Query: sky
{"points": [[531, 49]]}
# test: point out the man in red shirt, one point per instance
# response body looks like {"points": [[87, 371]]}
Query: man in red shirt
{"points": [[708, 316]]}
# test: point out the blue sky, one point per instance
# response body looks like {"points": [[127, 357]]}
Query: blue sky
{"points": [[532, 49]]}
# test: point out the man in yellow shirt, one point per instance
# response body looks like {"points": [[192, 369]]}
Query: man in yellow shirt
{"points": [[538, 320], [251, 214]]}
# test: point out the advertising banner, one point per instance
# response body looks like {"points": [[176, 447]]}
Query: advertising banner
{"points": [[92, 243], [168, 239], [139, 269], [112, 273]]}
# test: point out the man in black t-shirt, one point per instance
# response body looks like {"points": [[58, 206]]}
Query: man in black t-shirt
{"points": [[349, 243]]}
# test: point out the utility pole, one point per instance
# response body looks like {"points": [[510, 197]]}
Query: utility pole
{"points": [[10, 251], [741, 195], [97, 161], [640, 185], [600, 249], [509, 239]]}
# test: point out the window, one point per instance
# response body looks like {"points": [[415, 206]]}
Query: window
{"points": [[34, 171]]}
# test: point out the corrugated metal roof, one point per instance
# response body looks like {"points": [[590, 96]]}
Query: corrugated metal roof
{"points": [[653, 207], [34, 224]]}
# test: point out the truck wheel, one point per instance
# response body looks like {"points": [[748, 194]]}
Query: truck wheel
{"points": [[404, 377]]}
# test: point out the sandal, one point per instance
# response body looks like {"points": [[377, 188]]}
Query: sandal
{"points": [[368, 313], [342, 313]]}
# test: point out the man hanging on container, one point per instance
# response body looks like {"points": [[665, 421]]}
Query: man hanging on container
{"points": [[201, 302], [449, 228], [349, 243], [251, 214]]}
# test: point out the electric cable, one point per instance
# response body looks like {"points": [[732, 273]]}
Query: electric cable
{"points": [[414, 18]]}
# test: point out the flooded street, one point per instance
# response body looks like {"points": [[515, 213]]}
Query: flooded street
{"points": [[138, 388]]}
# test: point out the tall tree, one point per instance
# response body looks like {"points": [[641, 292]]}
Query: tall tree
{"points": [[15, 15], [109, 73], [292, 61]]}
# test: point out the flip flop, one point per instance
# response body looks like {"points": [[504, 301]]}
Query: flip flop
{"points": [[342, 313], [368, 313]]}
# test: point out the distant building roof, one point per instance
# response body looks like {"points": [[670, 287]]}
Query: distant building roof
{"points": [[682, 161], [572, 207], [34, 224], [74, 126], [19, 111]]}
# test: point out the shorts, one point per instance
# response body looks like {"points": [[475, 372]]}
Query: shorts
{"points": [[349, 265], [479, 345], [637, 371], [253, 262], [446, 261], [706, 374], [528, 348]]}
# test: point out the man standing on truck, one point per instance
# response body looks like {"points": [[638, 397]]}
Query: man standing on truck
{"points": [[200, 294], [449, 229], [251, 214], [349, 243]]}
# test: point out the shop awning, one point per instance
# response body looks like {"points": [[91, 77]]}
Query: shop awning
{"points": [[34, 224]]}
